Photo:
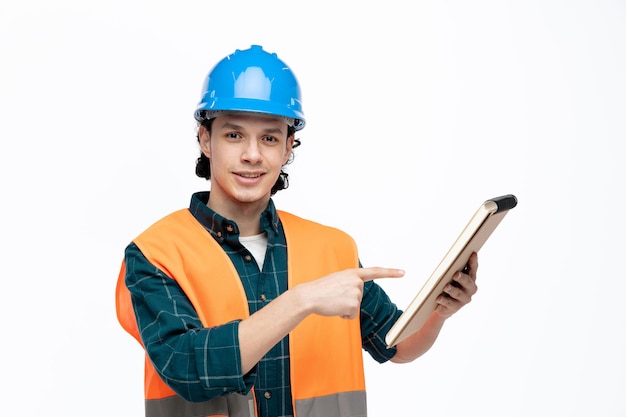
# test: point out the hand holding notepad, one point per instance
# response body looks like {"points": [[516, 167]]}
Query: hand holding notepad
{"points": [[471, 239]]}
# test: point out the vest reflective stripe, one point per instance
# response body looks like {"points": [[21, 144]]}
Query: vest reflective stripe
{"points": [[351, 404], [234, 405], [180, 247]]}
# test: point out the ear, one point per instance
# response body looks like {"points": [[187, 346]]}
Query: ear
{"points": [[289, 149], [204, 140]]}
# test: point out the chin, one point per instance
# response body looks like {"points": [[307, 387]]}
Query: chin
{"points": [[251, 198]]}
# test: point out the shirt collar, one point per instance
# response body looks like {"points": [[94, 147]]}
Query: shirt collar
{"points": [[220, 227]]}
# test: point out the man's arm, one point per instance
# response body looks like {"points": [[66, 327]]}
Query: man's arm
{"points": [[456, 294], [337, 294], [196, 362]]}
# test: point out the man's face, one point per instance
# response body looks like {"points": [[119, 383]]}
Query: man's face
{"points": [[247, 152]]}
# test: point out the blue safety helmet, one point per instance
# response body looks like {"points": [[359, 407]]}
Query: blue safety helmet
{"points": [[252, 80]]}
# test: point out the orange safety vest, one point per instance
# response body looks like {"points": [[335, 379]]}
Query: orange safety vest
{"points": [[327, 374]]}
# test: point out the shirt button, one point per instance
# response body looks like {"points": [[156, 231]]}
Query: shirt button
{"points": [[247, 258], [267, 394], [263, 297], [229, 228], [219, 234]]}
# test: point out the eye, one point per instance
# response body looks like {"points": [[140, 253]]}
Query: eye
{"points": [[232, 135], [270, 139]]}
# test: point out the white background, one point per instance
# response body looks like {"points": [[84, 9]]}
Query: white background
{"points": [[416, 113]]}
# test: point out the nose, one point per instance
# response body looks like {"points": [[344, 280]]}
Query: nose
{"points": [[251, 152]]}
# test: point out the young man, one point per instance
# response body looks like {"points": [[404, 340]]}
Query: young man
{"points": [[244, 310]]}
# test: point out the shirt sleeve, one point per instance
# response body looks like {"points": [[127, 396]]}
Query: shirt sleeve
{"points": [[198, 363], [378, 314]]}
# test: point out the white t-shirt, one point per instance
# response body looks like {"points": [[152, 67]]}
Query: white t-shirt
{"points": [[257, 245]]}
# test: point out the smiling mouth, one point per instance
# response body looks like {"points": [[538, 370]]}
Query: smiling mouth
{"points": [[249, 175]]}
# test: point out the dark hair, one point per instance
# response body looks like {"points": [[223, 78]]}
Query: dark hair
{"points": [[203, 166]]}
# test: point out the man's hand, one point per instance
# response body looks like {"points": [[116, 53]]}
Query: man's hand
{"points": [[460, 291], [340, 293]]}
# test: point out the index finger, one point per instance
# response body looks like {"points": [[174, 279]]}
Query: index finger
{"points": [[374, 272]]}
